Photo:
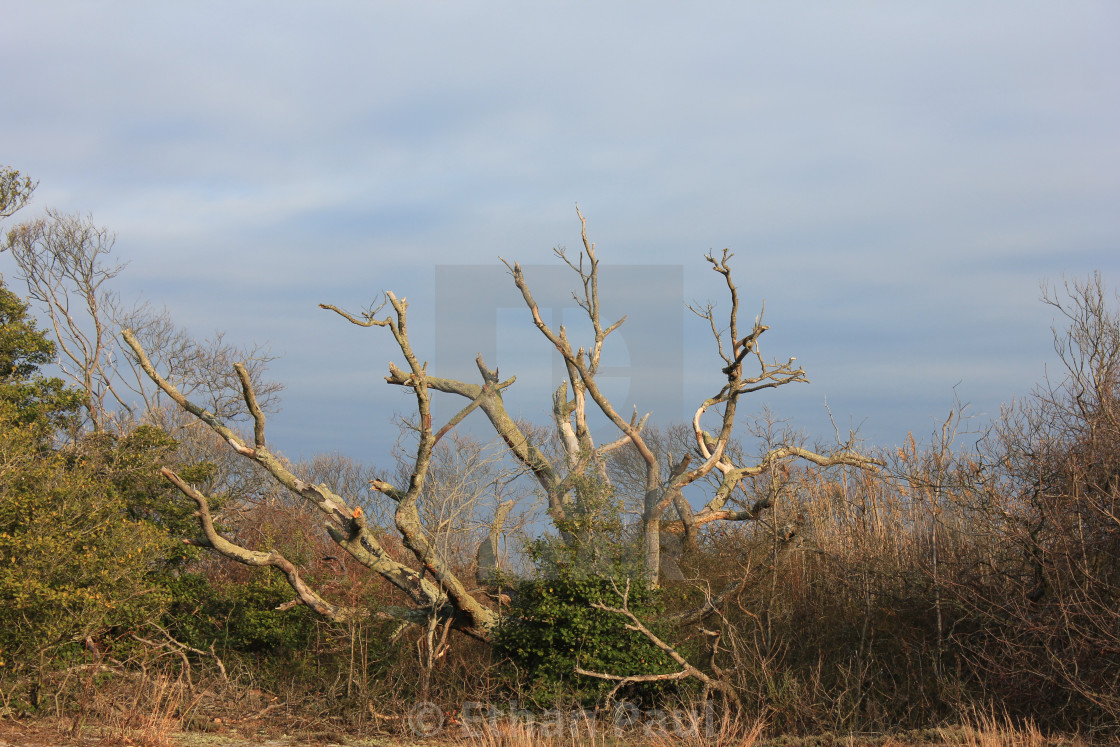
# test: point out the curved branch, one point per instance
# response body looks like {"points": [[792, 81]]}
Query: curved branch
{"points": [[255, 557], [251, 403], [687, 670], [356, 539]]}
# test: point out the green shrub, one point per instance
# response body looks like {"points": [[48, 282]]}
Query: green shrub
{"points": [[239, 617], [75, 565], [551, 626]]}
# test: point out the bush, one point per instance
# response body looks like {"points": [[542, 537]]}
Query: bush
{"points": [[76, 569], [552, 625], [239, 617]]}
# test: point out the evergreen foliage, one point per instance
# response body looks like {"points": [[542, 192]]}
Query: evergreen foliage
{"points": [[552, 625], [46, 403], [76, 565]]}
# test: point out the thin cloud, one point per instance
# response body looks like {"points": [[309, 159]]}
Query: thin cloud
{"points": [[895, 179]]}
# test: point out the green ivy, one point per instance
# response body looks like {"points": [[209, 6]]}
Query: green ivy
{"points": [[552, 625]]}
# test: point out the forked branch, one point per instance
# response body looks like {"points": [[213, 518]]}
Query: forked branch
{"points": [[686, 670], [343, 525]]}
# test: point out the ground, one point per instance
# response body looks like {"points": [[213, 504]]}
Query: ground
{"points": [[56, 733]]}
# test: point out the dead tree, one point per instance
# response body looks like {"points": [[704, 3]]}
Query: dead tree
{"points": [[662, 491], [63, 258], [434, 586]]}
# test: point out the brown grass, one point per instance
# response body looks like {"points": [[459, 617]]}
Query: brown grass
{"points": [[153, 714]]}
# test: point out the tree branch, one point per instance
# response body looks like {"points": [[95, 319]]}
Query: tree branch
{"points": [[251, 403], [687, 670], [359, 541], [254, 557]]}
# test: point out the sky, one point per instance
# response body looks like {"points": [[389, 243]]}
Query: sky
{"points": [[895, 180]]}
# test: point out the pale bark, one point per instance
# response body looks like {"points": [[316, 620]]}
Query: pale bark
{"points": [[436, 587], [686, 669], [582, 365], [346, 525]]}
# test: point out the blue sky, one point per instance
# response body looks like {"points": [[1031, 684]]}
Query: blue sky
{"points": [[896, 179]]}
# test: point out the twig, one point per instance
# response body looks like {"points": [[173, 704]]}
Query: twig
{"points": [[687, 670]]}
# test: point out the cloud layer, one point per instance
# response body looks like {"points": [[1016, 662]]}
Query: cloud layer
{"points": [[895, 179]]}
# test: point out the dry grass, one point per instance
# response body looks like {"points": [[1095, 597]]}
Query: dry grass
{"points": [[687, 728], [990, 730], [535, 734], [157, 731], [154, 713], [144, 708]]}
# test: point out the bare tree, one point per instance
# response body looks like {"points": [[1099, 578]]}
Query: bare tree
{"points": [[67, 264], [65, 261], [469, 484], [1045, 498], [436, 586], [204, 369], [735, 348]]}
